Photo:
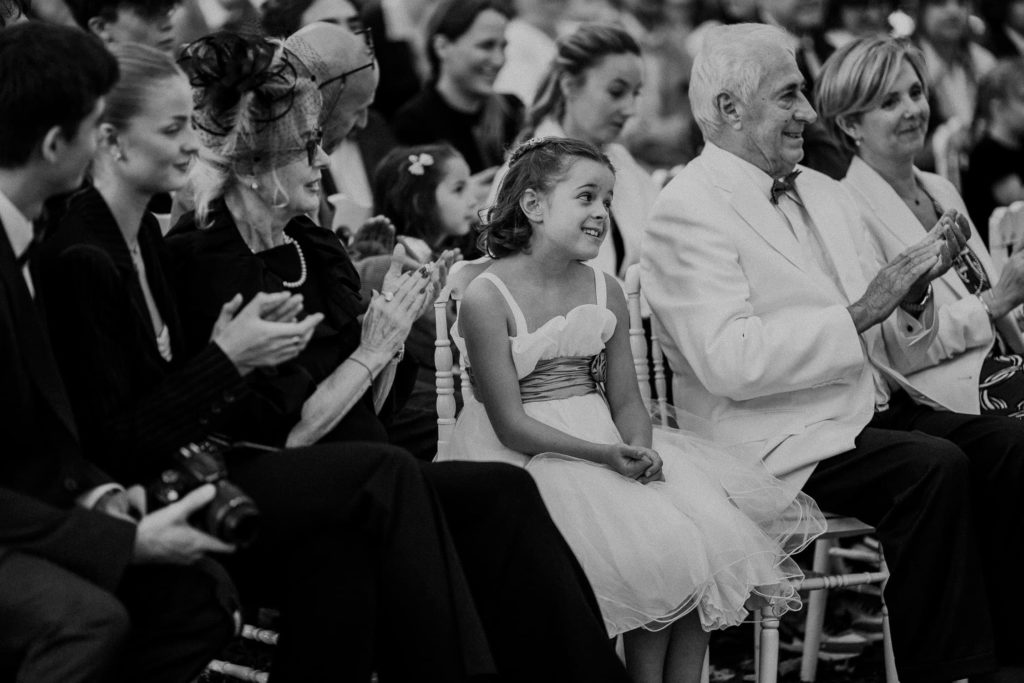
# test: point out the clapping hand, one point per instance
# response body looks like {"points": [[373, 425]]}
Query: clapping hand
{"points": [[378, 231], [1008, 293], [265, 332], [392, 312]]}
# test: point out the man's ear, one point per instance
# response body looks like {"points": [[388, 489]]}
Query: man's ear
{"points": [[440, 45], [53, 143], [98, 27], [729, 109], [532, 205]]}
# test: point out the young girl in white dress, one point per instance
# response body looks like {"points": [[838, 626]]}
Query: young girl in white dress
{"points": [[676, 536]]}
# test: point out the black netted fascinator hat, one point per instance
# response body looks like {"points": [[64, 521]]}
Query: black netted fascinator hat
{"points": [[253, 112]]}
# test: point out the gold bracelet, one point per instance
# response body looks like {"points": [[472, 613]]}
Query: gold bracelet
{"points": [[366, 367], [984, 304]]}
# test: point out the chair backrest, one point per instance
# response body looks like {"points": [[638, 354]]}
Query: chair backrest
{"points": [[461, 275], [638, 345]]}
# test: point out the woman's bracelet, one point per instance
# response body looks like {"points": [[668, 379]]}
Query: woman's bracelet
{"points": [[984, 304], [369, 372]]}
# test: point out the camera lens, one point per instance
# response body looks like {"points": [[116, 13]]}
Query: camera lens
{"points": [[232, 516]]}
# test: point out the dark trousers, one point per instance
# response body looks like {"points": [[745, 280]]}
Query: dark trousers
{"points": [[355, 552], [164, 624], [944, 492], [537, 607]]}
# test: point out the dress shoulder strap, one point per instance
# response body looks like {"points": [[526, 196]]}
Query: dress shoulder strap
{"points": [[517, 313], [600, 287]]}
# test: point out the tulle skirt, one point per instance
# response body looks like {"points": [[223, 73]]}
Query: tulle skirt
{"points": [[716, 536]]}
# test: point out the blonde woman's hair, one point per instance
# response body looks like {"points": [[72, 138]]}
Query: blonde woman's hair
{"points": [[857, 77], [143, 70], [576, 54]]}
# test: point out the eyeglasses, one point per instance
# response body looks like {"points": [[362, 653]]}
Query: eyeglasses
{"points": [[368, 39]]}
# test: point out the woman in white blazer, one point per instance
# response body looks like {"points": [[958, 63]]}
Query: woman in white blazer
{"points": [[589, 93], [873, 96]]}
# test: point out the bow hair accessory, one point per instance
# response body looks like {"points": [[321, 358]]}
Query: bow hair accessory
{"points": [[418, 163]]}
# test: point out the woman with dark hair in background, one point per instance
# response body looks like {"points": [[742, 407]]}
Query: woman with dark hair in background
{"points": [[954, 63], [466, 47], [1005, 22], [281, 18], [850, 19], [995, 174]]}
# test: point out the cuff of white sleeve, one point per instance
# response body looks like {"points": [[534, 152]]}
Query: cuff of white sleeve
{"points": [[89, 499]]}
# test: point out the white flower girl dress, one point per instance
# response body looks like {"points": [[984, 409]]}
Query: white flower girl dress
{"points": [[715, 533]]}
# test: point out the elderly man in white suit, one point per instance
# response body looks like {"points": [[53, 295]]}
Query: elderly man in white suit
{"points": [[784, 350]]}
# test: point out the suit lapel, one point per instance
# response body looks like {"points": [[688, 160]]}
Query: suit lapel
{"points": [[896, 217], [36, 343], [751, 204], [887, 206], [101, 225], [828, 218]]}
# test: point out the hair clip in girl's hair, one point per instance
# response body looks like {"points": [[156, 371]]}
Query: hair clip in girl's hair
{"points": [[419, 162], [528, 146]]}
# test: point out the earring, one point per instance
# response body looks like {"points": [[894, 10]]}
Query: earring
{"points": [[254, 186], [118, 156]]}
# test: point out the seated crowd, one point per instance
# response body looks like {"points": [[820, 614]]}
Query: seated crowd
{"points": [[224, 232]]}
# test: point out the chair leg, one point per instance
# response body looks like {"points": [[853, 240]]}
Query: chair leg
{"points": [[815, 622], [768, 664], [888, 655], [757, 646], [705, 671]]}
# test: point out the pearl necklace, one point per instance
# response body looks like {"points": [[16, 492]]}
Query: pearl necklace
{"points": [[302, 265], [286, 239]]}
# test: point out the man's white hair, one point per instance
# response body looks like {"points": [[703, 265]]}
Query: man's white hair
{"points": [[732, 59]]}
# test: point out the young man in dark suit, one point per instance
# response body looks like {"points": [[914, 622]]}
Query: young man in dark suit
{"points": [[86, 592]]}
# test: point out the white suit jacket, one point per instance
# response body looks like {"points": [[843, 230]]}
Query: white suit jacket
{"points": [[950, 369], [766, 357]]}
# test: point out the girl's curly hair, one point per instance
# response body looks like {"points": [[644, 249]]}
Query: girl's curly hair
{"points": [[536, 164]]}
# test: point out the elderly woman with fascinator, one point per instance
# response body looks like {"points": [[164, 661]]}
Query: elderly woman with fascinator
{"points": [[873, 96], [259, 170]]}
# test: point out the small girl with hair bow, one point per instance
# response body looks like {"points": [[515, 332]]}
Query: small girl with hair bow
{"points": [[425, 192], [677, 536]]}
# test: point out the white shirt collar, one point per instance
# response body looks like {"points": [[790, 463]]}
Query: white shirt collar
{"points": [[18, 228], [761, 180]]}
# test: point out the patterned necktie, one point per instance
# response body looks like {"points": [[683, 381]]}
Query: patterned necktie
{"points": [[781, 186]]}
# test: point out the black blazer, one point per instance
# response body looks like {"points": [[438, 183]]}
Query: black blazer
{"points": [[134, 407], [42, 468]]}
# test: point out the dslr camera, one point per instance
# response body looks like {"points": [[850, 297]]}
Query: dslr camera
{"points": [[231, 516]]}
